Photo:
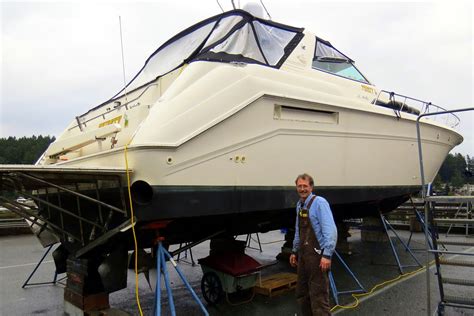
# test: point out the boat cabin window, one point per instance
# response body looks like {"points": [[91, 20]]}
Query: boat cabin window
{"points": [[328, 59]]}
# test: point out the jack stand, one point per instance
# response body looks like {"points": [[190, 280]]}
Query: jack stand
{"points": [[388, 227], [421, 219], [249, 239], [192, 263], [332, 283], [55, 279], [161, 256]]}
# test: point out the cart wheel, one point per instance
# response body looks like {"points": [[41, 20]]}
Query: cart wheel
{"points": [[211, 288]]}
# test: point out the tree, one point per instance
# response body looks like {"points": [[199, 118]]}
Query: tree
{"points": [[457, 180], [469, 169], [456, 171], [447, 168], [24, 150], [437, 183]]}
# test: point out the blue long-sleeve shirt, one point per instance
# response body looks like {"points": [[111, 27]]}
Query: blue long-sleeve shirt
{"points": [[322, 221]]}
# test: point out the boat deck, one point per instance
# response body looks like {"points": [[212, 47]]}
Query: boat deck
{"points": [[403, 297]]}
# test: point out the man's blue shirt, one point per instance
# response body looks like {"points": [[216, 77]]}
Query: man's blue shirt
{"points": [[321, 219]]}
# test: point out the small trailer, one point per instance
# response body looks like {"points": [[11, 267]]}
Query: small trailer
{"points": [[227, 273]]}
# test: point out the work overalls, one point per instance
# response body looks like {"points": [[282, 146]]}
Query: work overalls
{"points": [[312, 290]]}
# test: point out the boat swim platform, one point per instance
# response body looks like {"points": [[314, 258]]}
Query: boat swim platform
{"points": [[403, 297]]}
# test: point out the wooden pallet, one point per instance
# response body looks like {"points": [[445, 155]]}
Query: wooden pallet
{"points": [[276, 284]]}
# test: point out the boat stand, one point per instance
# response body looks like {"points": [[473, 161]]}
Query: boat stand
{"points": [[192, 263], [249, 239], [388, 227], [162, 255], [332, 283], [421, 219], [55, 278]]}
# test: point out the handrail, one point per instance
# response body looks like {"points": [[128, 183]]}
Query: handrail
{"points": [[426, 107], [115, 108], [418, 134]]}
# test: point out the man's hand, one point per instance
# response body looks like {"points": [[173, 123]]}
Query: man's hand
{"points": [[325, 264], [293, 260]]}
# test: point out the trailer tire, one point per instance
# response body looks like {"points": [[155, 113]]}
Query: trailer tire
{"points": [[211, 288]]}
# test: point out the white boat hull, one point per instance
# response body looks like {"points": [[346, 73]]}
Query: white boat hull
{"points": [[363, 162]]}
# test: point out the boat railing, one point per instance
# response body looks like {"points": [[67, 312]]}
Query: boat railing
{"points": [[117, 105], [402, 103]]}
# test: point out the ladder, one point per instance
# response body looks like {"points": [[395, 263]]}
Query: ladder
{"points": [[458, 259], [429, 201]]}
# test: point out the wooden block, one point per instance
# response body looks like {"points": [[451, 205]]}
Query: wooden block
{"points": [[276, 284], [91, 302]]}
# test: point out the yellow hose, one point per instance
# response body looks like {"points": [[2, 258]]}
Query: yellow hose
{"points": [[380, 285], [132, 218]]}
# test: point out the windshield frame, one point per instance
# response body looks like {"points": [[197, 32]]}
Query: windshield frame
{"points": [[348, 61]]}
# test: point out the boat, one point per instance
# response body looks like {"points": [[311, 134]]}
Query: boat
{"points": [[211, 133]]}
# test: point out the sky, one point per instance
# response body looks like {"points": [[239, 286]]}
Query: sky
{"points": [[60, 58]]}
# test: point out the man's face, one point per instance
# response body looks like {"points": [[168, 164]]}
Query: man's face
{"points": [[304, 188]]}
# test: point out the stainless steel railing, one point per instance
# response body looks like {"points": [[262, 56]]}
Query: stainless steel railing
{"points": [[401, 103]]}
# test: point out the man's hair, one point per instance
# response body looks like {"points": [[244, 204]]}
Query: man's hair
{"points": [[305, 177]]}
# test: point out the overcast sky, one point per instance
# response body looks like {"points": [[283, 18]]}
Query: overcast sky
{"points": [[59, 59]]}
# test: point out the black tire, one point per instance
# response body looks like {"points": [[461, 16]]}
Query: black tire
{"points": [[211, 288]]}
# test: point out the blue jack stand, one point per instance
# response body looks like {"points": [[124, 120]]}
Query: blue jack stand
{"points": [[388, 227], [332, 283], [421, 219], [161, 255]]}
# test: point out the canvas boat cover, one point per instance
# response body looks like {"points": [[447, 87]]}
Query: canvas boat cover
{"points": [[235, 37]]}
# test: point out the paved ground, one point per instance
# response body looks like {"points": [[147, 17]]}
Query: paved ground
{"points": [[373, 263]]}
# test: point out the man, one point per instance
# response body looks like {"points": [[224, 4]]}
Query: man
{"points": [[314, 243]]}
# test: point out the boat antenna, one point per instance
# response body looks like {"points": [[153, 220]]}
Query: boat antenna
{"points": [[123, 59], [263, 5], [233, 4], [220, 6]]}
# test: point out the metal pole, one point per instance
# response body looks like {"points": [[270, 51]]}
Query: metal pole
{"points": [[394, 251], [349, 270], [37, 266], [334, 291], [196, 298], [158, 281], [167, 282]]}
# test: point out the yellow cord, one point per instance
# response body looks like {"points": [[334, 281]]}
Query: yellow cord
{"points": [[132, 218], [380, 285]]}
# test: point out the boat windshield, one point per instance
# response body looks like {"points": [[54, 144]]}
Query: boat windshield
{"points": [[234, 36], [329, 59]]}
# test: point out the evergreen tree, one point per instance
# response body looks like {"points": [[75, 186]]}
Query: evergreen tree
{"points": [[24, 150], [469, 169]]}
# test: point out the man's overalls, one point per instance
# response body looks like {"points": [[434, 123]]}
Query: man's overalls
{"points": [[312, 290]]}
